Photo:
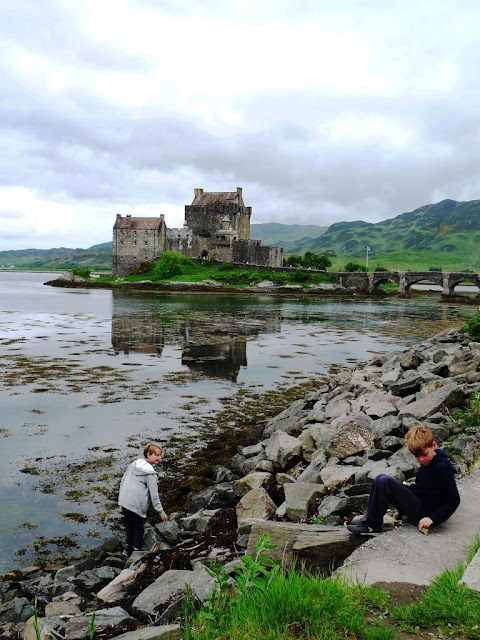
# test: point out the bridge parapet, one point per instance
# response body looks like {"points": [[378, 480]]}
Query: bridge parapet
{"points": [[370, 282]]}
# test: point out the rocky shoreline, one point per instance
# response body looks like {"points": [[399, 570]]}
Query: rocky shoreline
{"points": [[265, 288], [307, 472]]}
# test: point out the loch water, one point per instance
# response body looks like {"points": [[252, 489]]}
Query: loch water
{"points": [[89, 375]]}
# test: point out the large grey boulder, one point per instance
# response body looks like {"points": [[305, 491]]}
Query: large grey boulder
{"points": [[252, 481], [16, 610], [337, 408], [49, 629], [322, 433], [349, 440], [169, 531], [320, 547], [284, 450], [448, 396], [255, 504], [342, 505], [77, 627], [168, 584], [408, 383], [288, 420], [372, 469], [298, 498], [334, 475], [312, 472], [161, 632], [387, 426]]}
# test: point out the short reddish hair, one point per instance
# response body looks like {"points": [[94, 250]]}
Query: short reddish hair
{"points": [[418, 438]]}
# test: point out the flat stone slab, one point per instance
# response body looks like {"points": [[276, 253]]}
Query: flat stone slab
{"points": [[319, 546], [405, 555], [471, 577]]}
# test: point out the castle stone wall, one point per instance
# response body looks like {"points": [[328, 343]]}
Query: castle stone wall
{"points": [[252, 252]]}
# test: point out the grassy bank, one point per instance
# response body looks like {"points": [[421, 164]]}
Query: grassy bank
{"points": [[276, 604]]}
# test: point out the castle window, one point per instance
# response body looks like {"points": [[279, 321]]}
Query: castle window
{"points": [[134, 243], [146, 243]]}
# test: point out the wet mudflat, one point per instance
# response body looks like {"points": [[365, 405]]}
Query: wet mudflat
{"points": [[89, 376]]}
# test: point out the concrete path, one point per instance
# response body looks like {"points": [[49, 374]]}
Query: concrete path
{"points": [[406, 555]]}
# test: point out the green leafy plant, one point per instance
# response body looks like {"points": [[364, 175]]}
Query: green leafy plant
{"points": [[318, 519], [190, 606], [217, 600], [472, 325], [257, 572], [471, 415]]}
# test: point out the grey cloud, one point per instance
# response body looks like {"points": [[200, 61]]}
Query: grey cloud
{"points": [[50, 30], [12, 215]]}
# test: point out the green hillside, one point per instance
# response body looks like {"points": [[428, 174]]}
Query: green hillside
{"points": [[57, 259], [443, 235], [287, 236]]}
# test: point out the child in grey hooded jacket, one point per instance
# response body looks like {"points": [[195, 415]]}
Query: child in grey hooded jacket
{"points": [[137, 488]]}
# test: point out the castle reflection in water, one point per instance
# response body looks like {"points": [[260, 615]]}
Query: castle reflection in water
{"points": [[212, 332]]}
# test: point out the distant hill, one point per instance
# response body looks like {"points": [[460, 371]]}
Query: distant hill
{"points": [[60, 259], [104, 245]]}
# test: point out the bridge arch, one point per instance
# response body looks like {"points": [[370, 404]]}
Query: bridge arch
{"points": [[414, 277], [455, 279], [382, 277]]}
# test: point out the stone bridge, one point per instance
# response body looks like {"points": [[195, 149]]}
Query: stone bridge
{"points": [[370, 282]]}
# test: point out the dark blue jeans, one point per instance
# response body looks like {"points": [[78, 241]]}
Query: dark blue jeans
{"points": [[387, 491], [135, 525]]}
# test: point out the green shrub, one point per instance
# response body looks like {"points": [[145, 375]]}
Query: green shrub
{"points": [[354, 266], [316, 261], [293, 261], [81, 272], [300, 276], [172, 264], [472, 325]]}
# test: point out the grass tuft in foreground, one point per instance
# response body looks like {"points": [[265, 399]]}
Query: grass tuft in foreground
{"points": [[290, 604]]}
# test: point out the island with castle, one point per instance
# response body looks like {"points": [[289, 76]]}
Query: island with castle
{"points": [[216, 227]]}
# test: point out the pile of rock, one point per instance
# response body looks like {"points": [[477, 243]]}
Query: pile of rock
{"points": [[314, 461]]}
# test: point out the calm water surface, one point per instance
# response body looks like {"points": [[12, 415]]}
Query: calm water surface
{"points": [[89, 375]]}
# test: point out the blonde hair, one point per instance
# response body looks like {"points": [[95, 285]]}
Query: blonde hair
{"points": [[151, 447], [418, 438]]}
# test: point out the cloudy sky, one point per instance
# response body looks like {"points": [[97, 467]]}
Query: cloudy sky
{"points": [[322, 111]]}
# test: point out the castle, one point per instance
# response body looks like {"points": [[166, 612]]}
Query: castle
{"points": [[216, 227]]}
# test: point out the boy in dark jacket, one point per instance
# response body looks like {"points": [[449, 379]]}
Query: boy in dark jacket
{"points": [[430, 501]]}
